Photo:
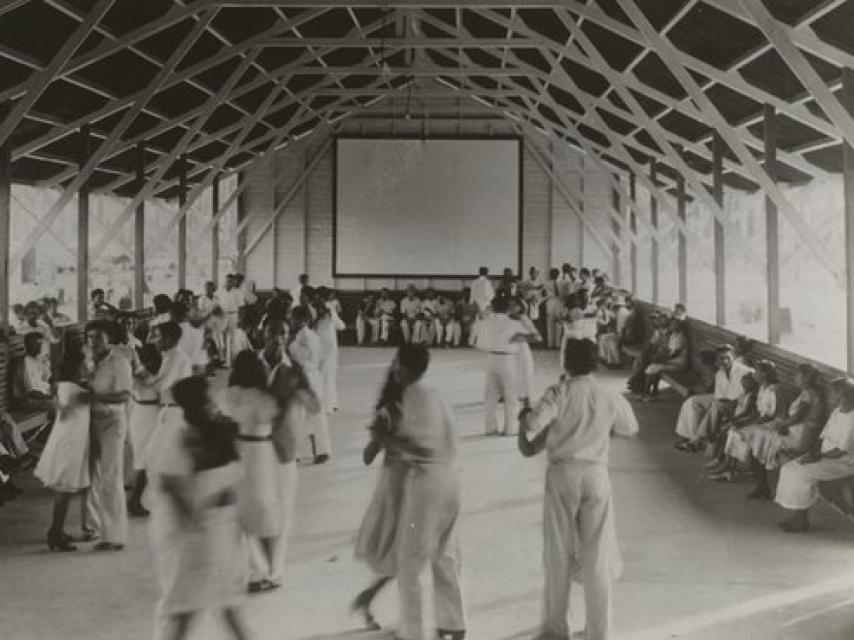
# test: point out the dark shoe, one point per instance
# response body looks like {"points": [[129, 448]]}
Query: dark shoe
{"points": [[59, 541], [320, 459], [361, 606], [108, 546], [86, 536], [256, 586], [138, 511], [760, 493]]}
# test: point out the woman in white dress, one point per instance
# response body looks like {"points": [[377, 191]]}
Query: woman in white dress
{"points": [[64, 463], [253, 408], [830, 459], [195, 531]]}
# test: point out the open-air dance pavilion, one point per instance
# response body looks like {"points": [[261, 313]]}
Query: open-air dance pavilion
{"points": [[689, 152]]}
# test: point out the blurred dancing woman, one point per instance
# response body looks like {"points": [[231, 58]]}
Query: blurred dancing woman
{"points": [[412, 519], [195, 532], [249, 404]]}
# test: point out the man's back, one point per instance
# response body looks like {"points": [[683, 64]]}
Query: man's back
{"points": [[582, 415]]}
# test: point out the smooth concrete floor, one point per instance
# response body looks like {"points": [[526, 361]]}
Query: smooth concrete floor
{"points": [[701, 561]]}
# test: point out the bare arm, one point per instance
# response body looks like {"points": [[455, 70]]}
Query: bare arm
{"points": [[529, 448]]}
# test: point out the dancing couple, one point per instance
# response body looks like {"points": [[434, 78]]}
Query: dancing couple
{"points": [[412, 519]]}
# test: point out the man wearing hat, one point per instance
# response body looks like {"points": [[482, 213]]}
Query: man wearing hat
{"points": [[701, 415]]}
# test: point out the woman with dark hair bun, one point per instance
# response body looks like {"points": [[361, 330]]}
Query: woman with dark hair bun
{"points": [[195, 532], [247, 402], [411, 521]]}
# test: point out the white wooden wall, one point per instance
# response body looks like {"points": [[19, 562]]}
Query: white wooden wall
{"points": [[552, 232]]}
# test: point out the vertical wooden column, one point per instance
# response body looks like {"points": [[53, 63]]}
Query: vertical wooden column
{"points": [[139, 234], [581, 223], [633, 229], [848, 177], [5, 233], [182, 225], [653, 221], [215, 231], [615, 203], [83, 230], [720, 266], [772, 233], [682, 239], [241, 214]]}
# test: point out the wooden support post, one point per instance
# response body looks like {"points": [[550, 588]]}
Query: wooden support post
{"points": [[139, 234], [241, 235], [718, 195], [182, 225], [215, 231], [83, 231], [615, 203], [772, 233], [633, 227], [848, 177], [582, 223], [653, 220], [681, 238], [5, 234]]}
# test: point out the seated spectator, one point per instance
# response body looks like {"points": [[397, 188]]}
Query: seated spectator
{"points": [[35, 376], [36, 322], [635, 335], [363, 315], [832, 457], [600, 288], [722, 467], [15, 456], [99, 308], [606, 333], [466, 312], [680, 312], [675, 357], [769, 445], [425, 326], [384, 311], [654, 351], [700, 416], [447, 324], [410, 311], [507, 285]]}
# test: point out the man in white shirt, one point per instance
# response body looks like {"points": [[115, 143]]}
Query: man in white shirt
{"points": [[192, 341], [482, 292], [34, 322], [574, 422], [532, 290], [410, 309], [381, 322], [499, 335], [306, 351], [700, 416]]}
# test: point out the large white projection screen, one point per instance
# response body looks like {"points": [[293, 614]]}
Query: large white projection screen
{"points": [[426, 207]]}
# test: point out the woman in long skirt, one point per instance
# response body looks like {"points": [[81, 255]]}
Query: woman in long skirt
{"points": [[411, 522], [64, 463], [524, 357], [195, 531], [248, 403]]}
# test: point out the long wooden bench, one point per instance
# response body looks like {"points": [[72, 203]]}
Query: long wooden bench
{"points": [[839, 494]]}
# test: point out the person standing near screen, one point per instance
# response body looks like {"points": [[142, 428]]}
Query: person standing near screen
{"points": [[482, 292]]}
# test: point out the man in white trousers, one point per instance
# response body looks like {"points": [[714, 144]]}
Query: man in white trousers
{"points": [[482, 292], [499, 335], [574, 422], [110, 379], [304, 350], [429, 505]]}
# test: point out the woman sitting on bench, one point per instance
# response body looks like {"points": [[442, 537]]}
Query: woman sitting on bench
{"points": [[675, 358], [831, 458]]}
